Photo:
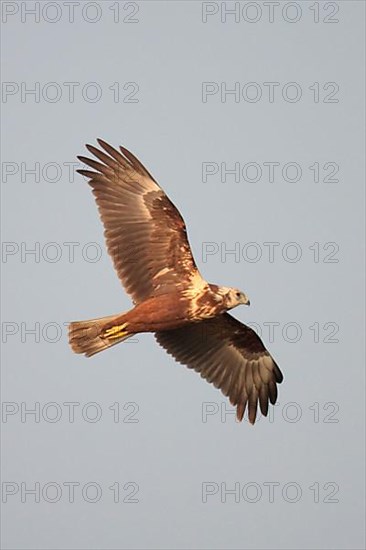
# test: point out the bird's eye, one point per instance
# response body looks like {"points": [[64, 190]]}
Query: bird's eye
{"points": [[238, 294]]}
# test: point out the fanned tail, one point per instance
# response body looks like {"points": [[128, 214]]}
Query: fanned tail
{"points": [[91, 337]]}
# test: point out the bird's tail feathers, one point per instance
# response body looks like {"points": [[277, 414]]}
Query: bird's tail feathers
{"points": [[91, 337]]}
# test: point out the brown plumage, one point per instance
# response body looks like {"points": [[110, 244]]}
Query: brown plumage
{"points": [[147, 240]]}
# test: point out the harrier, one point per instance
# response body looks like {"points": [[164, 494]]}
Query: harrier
{"points": [[147, 240]]}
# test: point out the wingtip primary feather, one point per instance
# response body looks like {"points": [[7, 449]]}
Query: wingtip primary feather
{"points": [[278, 373], [102, 143], [87, 173], [240, 410], [89, 147]]}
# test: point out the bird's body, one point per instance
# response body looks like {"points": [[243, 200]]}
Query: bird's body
{"points": [[172, 310], [147, 240]]}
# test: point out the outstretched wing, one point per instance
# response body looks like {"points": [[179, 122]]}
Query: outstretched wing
{"points": [[145, 234], [230, 355]]}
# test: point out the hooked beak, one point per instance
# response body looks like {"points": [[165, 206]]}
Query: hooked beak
{"points": [[246, 300]]}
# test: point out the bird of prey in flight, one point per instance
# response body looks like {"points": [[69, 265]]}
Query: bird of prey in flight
{"points": [[147, 240]]}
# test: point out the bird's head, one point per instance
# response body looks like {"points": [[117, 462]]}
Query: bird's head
{"points": [[234, 297]]}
